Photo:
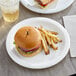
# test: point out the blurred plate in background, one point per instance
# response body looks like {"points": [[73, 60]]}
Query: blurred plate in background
{"points": [[58, 6]]}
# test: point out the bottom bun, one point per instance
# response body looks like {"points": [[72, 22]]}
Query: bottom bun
{"points": [[31, 54]]}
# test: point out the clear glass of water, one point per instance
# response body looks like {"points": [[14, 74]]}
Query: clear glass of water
{"points": [[10, 10]]}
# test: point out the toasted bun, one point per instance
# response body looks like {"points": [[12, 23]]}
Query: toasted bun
{"points": [[28, 37], [29, 55]]}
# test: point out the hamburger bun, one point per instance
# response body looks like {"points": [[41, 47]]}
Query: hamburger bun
{"points": [[28, 38]]}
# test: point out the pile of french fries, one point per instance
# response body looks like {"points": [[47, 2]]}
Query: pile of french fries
{"points": [[49, 38]]}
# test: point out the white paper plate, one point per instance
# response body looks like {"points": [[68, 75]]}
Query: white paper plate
{"points": [[41, 60], [61, 5]]}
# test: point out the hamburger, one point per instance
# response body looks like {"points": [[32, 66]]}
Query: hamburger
{"points": [[28, 41], [44, 3]]}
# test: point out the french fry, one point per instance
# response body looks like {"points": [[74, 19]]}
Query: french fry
{"points": [[55, 37], [48, 39], [44, 44], [55, 33], [55, 40], [52, 32], [53, 45], [49, 34], [58, 39]]}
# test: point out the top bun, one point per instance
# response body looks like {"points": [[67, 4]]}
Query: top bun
{"points": [[28, 37]]}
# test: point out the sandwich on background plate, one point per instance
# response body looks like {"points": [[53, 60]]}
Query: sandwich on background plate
{"points": [[44, 3]]}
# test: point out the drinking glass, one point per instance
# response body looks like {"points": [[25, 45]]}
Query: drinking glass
{"points": [[10, 10]]}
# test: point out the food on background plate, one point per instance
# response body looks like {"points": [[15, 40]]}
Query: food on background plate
{"points": [[44, 3], [29, 40]]}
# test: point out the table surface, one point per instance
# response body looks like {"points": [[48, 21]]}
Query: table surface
{"points": [[8, 68]]}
